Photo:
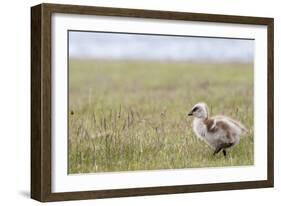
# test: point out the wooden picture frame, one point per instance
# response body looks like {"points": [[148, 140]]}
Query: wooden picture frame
{"points": [[41, 97]]}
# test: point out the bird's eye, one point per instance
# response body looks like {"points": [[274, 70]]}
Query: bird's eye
{"points": [[195, 109]]}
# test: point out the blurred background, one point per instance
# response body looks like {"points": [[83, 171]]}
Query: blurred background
{"points": [[129, 95], [154, 47]]}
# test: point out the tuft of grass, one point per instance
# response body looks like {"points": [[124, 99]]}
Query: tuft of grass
{"points": [[131, 115]]}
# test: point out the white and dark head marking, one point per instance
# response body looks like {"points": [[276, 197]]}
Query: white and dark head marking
{"points": [[199, 110]]}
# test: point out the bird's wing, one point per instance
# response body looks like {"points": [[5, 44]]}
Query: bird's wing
{"points": [[220, 129], [210, 124]]}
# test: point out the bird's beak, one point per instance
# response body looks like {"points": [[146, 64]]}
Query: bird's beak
{"points": [[190, 113]]}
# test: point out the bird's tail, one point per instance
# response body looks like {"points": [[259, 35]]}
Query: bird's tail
{"points": [[243, 129]]}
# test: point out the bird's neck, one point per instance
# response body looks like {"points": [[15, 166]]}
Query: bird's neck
{"points": [[201, 119]]}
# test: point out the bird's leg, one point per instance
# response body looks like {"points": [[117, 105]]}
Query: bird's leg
{"points": [[224, 152], [217, 150]]}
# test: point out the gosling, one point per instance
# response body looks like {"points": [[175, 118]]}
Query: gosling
{"points": [[219, 132]]}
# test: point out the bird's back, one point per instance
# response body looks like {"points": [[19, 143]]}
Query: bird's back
{"points": [[229, 124]]}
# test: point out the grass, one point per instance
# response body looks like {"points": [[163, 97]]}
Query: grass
{"points": [[131, 115]]}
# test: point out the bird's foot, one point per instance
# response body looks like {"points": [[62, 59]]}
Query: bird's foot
{"points": [[217, 151]]}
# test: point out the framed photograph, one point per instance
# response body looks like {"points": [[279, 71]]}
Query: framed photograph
{"points": [[128, 102]]}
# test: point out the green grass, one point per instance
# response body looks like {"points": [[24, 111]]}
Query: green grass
{"points": [[130, 115]]}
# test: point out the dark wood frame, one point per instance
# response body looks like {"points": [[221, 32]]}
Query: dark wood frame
{"points": [[41, 101]]}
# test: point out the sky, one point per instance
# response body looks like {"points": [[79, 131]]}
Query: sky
{"points": [[100, 45]]}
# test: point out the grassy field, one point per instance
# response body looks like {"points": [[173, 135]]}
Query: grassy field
{"points": [[130, 115]]}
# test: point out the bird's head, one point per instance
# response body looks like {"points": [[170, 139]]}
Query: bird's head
{"points": [[199, 110]]}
